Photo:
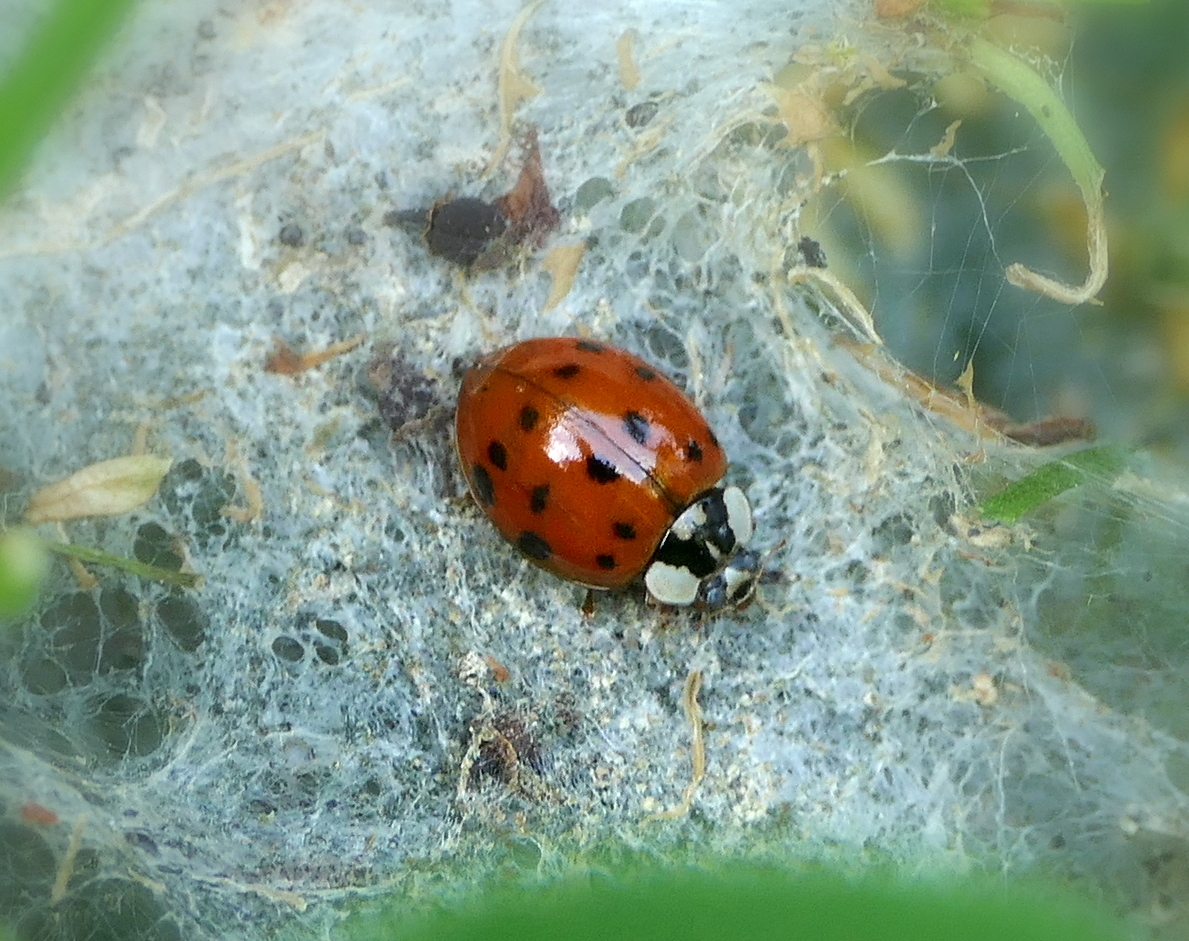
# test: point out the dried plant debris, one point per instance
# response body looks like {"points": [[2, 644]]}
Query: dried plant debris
{"points": [[484, 236], [1047, 432], [896, 9], [286, 361], [37, 815], [527, 204], [812, 252], [562, 262], [462, 231], [960, 406], [629, 72], [406, 396], [107, 488], [505, 749]]}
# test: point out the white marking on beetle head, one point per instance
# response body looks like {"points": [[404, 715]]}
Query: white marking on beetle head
{"points": [[738, 514], [694, 545], [671, 584]]}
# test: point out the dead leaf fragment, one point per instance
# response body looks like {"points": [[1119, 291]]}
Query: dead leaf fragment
{"points": [[254, 507], [107, 488], [1046, 432], [499, 672], [894, 9], [526, 205], [693, 715], [513, 85], [286, 361], [805, 116], [38, 815], [628, 73], [283, 359], [66, 866], [943, 147], [562, 264], [878, 73], [85, 580]]}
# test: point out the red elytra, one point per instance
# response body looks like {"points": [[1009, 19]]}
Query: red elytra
{"points": [[586, 457]]}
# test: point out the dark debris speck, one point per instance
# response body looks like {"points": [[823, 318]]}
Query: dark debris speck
{"points": [[291, 235], [405, 394], [641, 114]]}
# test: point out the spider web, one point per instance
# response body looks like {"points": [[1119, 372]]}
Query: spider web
{"points": [[372, 696]]}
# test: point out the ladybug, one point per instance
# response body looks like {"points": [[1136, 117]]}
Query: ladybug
{"points": [[599, 469]]}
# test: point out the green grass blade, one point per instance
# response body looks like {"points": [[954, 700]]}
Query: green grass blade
{"points": [[1049, 480], [124, 564]]}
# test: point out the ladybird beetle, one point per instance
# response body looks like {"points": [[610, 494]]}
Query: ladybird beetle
{"points": [[599, 469]]}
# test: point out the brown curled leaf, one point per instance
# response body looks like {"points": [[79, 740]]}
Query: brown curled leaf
{"points": [[107, 488], [527, 206]]}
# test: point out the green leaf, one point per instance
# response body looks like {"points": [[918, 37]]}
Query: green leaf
{"points": [[751, 904], [47, 73], [1049, 480], [22, 567]]}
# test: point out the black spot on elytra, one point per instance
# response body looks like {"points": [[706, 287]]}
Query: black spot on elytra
{"points": [[600, 470], [590, 346], [528, 418], [498, 455], [568, 371], [605, 561], [534, 546], [636, 426], [539, 498], [693, 451], [484, 488], [645, 373], [625, 530]]}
